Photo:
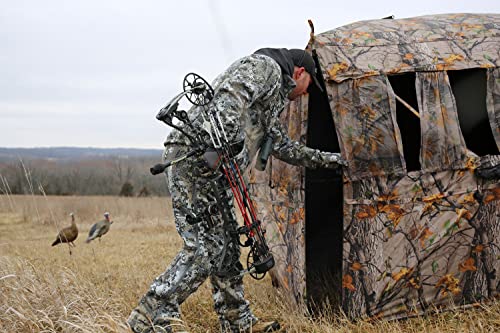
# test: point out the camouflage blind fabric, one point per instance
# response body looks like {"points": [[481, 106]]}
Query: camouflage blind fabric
{"points": [[279, 196], [493, 101], [427, 43], [413, 241]]}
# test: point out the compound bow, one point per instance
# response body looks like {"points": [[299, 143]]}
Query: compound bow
{"points": [[200, 93]]}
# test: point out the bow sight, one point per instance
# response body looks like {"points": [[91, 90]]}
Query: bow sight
{"points": [[211, 136]]}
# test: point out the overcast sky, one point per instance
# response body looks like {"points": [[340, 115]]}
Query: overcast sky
{"points": [[95, 72]]}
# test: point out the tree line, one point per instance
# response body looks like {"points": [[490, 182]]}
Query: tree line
{"points": [[94, 176]]}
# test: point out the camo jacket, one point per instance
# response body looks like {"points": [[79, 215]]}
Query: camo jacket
{"points": [[249, 97]]}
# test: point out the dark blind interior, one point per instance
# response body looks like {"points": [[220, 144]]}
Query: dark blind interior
{"points": [[469, 89], [324, 211], [403, 86]]}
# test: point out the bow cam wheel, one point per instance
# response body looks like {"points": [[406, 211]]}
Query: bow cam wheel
{"points": [[198, 90], [251, 259]]}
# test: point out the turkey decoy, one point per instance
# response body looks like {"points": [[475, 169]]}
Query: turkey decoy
{"points": [[99, 229], [68, 234]]}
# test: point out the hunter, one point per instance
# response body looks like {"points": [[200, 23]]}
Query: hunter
{"points": [[249, 96]]}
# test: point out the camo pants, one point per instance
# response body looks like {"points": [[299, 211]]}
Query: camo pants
{"points": [[209, 251]]}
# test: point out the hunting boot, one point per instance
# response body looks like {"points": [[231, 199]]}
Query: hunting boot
{"points": [[264, 327], [145, 318]]}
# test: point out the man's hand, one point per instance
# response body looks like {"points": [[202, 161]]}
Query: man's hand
{"points": [[334, 160]]}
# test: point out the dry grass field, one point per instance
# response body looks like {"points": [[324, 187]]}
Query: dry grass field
{"points": [[45, 289]]}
